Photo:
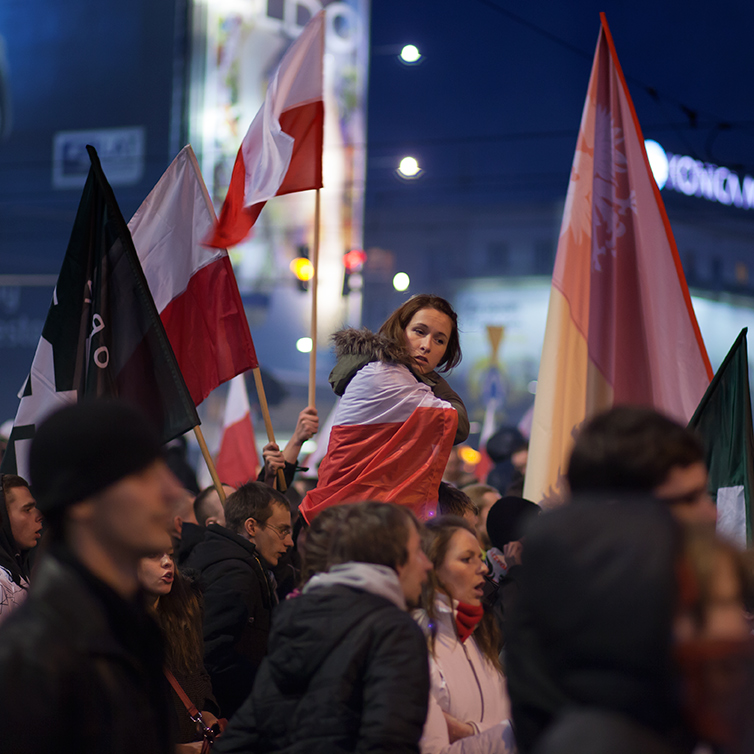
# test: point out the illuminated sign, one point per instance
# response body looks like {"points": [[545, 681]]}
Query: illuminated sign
{"points": [[692, 177]]}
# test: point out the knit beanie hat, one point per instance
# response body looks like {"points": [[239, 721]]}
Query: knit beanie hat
{"points": [[507, 519], [84, 448]]}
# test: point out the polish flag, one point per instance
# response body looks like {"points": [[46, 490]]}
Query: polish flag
{"points": [[390, 442], [282, 150], [620, 325], [193, 287], [237, 461]]}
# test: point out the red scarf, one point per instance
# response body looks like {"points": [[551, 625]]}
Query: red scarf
{"points": [[467, 617]]}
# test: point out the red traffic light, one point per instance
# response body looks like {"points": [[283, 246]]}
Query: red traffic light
{"points": [[354, 260]]}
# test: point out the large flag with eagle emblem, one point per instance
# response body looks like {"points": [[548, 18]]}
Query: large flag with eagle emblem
{"points": [[620, 325], [103, 335]]}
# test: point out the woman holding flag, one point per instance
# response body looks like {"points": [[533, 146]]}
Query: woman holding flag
{"points": [[398, 418]]}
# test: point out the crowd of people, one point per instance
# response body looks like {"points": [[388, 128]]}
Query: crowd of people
{"points": [[374, 616]]}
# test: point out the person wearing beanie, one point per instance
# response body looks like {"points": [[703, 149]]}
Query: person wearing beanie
{"points": [[80, 660], [20, 529], [507, 522]]}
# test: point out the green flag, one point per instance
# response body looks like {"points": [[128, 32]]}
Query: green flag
{"points": [[723, 420]]}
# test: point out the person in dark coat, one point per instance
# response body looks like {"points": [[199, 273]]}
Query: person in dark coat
{"points": [[589, 649], [234, 566], [80, 660], [348, 667]]}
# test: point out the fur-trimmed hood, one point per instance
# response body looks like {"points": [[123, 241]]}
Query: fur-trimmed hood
{"points": [[356, 348]]}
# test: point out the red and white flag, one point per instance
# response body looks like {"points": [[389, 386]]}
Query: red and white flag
{"points": [[390, 442], [282, 150], [620, 324], [237, 461], [193, 286]]}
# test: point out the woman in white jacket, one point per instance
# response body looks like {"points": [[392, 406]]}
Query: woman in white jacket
{"points": [[469, 706]]}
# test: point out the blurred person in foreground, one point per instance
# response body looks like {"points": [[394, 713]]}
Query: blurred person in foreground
{"points": [[347, 667], [20, 530], [81, 660], [235, 565], [636, 449], [629, 636], [176, 604], [469, 708]]}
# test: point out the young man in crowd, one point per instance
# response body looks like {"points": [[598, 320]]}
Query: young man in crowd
{"points": [[347, 669], [80, 660], [635, 449], [234, 563], [20, 529]]}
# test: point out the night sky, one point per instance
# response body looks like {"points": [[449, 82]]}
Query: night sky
{"points": [[493, 110]]}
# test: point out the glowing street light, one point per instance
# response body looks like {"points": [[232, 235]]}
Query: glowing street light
{"points": [[410, 54], [409, 167], [304, 345], [401, 281]]}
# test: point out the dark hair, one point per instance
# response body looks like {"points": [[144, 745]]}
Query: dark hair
{"points": [[251, 500], [630, 448], [508, 519], [373, 533], [315, 553], [395, 325], [454, 502], [12, 558], [12, 481], [201, 509], [436, 541], [179, 614]]}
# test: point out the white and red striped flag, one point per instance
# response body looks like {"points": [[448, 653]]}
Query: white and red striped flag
{"points": [[390, 442], [620, 324], [193, 286], [237, 460], [282, 150]]}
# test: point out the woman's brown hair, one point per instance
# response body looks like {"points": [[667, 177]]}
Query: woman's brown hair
{"points": [[179, 614], [395, 325], [436, 542]]}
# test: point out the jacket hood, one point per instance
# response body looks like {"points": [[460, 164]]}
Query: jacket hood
{"points": [[355, 348], [367, 577], [221, 544], [308, 628]]}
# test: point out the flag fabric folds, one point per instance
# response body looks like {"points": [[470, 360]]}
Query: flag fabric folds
{"points": [[620, 324], [390, 442], [193, 286], [723, 421], [102, 335], [282, 150], [237, 461]]}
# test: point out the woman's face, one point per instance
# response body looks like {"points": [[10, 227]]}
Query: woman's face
{"points": [[156, 573], [462, 570], [427, 336]]}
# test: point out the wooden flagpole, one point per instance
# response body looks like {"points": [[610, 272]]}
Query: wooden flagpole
{"points": [[315, 266], [210, 463], [282, 486]]}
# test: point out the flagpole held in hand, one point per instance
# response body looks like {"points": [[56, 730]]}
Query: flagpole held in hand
{"points": [[282, 486], [210, 463], [315, 276]]}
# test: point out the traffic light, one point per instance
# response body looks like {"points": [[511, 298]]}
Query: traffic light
{"points": [[302, 268], [353, 261]]}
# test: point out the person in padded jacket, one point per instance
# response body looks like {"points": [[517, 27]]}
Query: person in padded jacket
{"points": [[235, 573], [347, 667], [393, 405]]}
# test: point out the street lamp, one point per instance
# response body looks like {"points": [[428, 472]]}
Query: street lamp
{"points": [[409, 167], [410, 54]]}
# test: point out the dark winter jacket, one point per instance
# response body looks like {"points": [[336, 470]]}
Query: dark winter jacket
{"points": [[347, 672], [238, 602], [357, 348], [81, 669], [595, 731], [592, 625]]}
